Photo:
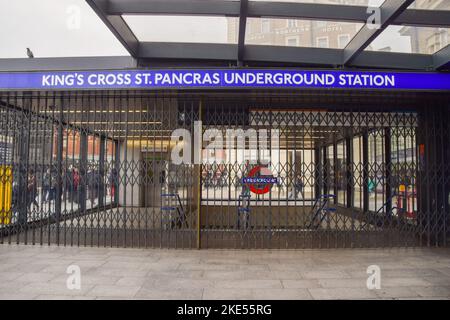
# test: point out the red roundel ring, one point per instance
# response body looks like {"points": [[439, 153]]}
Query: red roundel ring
{"points": [[252, 187]]}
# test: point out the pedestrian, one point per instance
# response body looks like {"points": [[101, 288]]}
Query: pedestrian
{"points": [[297, 188], [113, 181], [75, 184], [46, 186], [371, 185], [32, 190]]}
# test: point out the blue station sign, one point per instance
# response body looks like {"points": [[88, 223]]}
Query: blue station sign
{"points": [[223, 79]]}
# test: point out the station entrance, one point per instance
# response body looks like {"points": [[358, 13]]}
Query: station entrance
{"points": [[311, 169]]}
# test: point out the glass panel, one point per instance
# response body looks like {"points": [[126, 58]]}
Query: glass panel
{"points": [[306, 179], [374, 3], [293, 168], [330, 169], [408, 39], [430, 5], [376, 170], [54, 28], [300, 33], [93, 175], [111, 179], [404, 165], [196, 29], [71, 161], [341, 169]]}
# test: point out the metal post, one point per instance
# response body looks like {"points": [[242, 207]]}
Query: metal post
{"points": [[388, 169], [348, 160], [446, 185], [365, 159], [101, 172], [83, 170], [59, 169], [199, 190], [325, 170], [318, 173], [335, 176], [23, 147], [115, 181]]}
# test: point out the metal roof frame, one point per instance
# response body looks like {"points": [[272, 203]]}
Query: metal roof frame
{"points": [[393, 12]]}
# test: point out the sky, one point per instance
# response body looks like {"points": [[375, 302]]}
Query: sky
{"points": [[59, 28], [68, 28], [54, 28]]}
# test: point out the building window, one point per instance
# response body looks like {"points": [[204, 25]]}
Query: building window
{"points": [[437, 41], [343, 40], [292, 42], [322, 42], [291, 23], [321, 24], [265, 25]]}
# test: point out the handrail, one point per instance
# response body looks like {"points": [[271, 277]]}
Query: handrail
{"points": [[326, 198], [386, 204], [379, 211], [179, 207]]}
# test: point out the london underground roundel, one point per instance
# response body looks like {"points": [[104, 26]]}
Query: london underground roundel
{"points": [[260, 180]]}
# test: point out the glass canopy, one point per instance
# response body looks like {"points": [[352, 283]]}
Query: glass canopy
{"points": [[232, 32], [374, 3], [430, 5], [410, 39], [195, 29], [300, 33]]}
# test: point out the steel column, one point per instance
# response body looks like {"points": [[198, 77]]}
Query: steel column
{"points": [[442, 58], [83, 171], [117, 25], [388, 169], [365, 160], [23, 155], [115, 178], [242, 28], [326, 166], [59, 168], [349, 170], [101, 172], [317, 173], [335, 176], [390, 10]]}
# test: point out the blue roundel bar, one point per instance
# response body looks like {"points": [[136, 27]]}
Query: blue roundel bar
{"points": [[224, 78], [260, 180]]}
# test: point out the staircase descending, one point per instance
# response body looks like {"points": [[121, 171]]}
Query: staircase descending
{"points": [[173, 213], [321, 210]]}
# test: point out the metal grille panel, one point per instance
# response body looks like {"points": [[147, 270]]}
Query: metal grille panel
{"points": [[97, 169]]}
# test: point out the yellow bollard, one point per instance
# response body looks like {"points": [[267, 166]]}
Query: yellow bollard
{"points": [[5, 195]]}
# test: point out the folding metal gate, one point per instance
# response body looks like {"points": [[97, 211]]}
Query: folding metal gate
{"points": [[99, 169]]}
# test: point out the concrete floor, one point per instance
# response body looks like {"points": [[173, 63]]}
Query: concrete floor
{"points": [[35, 272]]}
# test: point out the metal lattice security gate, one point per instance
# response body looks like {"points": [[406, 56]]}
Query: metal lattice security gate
{"points": [[98, 169]]}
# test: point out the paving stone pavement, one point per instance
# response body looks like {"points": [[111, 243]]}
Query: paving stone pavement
{"points": [[40, 272]]}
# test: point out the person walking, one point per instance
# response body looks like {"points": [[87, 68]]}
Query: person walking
{"points": [[32, 191], [113, 182], [371, 185], [46, 186], [75, 184], [297, 188]]}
